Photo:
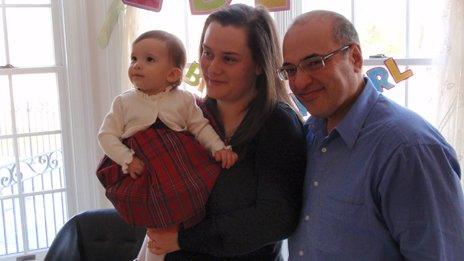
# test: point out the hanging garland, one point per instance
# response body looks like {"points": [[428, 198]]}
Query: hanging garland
{"points": [[378, 75]]}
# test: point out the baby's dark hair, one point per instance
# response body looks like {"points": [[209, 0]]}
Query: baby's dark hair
{"points": [[176, 50]]}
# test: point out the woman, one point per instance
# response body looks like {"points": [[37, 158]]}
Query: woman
{"points": [[256, 203]]}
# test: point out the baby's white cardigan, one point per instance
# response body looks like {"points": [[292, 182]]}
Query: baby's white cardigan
{"points": [[134, 110]]}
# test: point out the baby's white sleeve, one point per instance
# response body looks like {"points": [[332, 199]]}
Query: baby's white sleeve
{"points": [[109, 136], [199, 126]]}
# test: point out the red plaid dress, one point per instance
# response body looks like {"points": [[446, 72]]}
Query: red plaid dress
{"points": [[174, 187]]}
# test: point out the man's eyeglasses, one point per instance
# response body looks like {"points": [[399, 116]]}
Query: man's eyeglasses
{"points": [[308, 64]]}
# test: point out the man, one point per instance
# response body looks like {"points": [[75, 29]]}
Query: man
{"points": [[381, 182]]}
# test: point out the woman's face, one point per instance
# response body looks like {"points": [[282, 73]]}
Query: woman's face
{"points": [[227, 64]]}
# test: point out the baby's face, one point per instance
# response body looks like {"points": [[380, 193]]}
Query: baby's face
{"points": [[150, 66]]}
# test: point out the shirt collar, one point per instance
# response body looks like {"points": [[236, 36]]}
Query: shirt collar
{"points": [[351, 125], [314, 126]]}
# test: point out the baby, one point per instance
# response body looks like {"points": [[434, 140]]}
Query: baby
{"points": [[157, 63]]}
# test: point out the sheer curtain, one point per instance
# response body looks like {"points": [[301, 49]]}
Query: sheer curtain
{"points": [[129, 30], [451, 96]]}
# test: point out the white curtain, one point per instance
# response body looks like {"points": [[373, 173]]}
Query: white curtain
{"points": [[129, 30], [451, 97]]}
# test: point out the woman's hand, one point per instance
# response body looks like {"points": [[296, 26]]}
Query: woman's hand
{"points": [[162, 241]]}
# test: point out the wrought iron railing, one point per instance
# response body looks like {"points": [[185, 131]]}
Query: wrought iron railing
{"points": [[32, 202]]}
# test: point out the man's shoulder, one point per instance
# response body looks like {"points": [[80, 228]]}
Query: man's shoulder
{"points": [[402, 125]]}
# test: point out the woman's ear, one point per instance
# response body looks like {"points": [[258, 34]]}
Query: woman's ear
{"points": [[174, 75]]}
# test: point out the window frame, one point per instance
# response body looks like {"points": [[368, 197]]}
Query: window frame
{"points": [[59, 69], [84, 73]]}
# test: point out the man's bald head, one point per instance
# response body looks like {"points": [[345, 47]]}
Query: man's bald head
{"points": [[343, 31]]}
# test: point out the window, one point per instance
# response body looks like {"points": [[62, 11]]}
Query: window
{"points": [[33, 204]]}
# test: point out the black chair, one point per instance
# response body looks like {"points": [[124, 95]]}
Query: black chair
{"points": [[96, 235]]}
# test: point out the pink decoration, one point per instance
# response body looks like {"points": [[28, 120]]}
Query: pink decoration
{"points": [[152, 5]]}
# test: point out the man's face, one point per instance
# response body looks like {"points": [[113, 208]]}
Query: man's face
{"points": [[329, 91]]}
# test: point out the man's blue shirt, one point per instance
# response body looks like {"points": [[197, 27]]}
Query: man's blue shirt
{"points": [[382, 185]]}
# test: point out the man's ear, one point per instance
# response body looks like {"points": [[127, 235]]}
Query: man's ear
{"points": [[356, 57], [174, 75]]}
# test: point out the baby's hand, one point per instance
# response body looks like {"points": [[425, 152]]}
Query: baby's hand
{"points": [[227, 157], [135, 168]]}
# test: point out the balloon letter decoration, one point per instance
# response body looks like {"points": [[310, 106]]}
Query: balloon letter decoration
{"points": [[192, 77], [274, 5], [395, 71], [379, 77], [206, 6]]}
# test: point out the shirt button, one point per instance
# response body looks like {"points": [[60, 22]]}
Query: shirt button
{"points": [[324, 149], [316, 183], [301, 253], [307, 217]]}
